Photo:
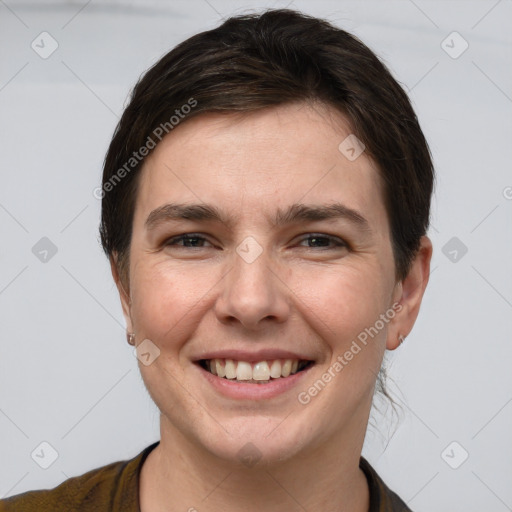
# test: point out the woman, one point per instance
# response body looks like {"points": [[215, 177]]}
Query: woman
{"points": [[265, 202]]}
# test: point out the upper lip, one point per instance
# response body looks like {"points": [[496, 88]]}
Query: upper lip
{"points": [[252, 356]]}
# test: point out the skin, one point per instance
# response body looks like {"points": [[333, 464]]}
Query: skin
{"points": [[298, 295]]}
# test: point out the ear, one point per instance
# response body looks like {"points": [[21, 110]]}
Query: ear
{"points": [[409, 294], [124, 294]]}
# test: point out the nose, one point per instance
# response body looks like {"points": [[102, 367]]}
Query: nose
{"points": [[253, 294]]}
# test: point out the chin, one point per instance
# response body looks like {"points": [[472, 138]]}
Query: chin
{"points": [[255, 440]]}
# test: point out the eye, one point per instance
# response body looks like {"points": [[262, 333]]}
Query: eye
{"points": [[322, 241], [191, 240]]}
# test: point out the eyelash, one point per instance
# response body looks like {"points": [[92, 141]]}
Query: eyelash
{"points": [[337, 242]]}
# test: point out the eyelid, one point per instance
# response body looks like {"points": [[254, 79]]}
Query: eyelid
{"points": [[336, 240], [185, 236]]}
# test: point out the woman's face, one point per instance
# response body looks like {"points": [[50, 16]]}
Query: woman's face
{"points": [[256, 240]]}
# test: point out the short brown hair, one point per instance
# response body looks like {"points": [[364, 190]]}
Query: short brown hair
{"points": [[255, 61]]}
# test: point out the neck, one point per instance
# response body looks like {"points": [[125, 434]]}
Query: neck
{"points": [[178, 476]]}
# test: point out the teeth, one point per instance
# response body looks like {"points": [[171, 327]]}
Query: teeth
{"points": [[219, 369], [275, 369], [243, 371], [230, 369], [287, 368], [262, 371]]}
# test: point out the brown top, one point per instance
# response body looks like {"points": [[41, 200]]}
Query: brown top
{"points": [[115, 488]]}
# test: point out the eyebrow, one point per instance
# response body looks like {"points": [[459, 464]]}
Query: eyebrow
{"points": [[293, 214]]}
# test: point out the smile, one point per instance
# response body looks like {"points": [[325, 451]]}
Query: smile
{"points": [[261, 372]]}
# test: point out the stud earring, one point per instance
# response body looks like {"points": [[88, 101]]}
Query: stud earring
{"points": [[130, 338], [401, 339]]}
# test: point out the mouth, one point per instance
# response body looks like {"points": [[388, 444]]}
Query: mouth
{"points": [[260, 372]]}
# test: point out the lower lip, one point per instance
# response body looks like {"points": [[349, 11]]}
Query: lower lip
{"points": [[250, 391]]}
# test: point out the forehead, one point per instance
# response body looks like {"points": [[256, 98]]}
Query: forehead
{"points": [[258, 162]]}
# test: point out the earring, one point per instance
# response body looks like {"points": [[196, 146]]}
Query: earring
{"points": [[401, 339], [130, 338]]}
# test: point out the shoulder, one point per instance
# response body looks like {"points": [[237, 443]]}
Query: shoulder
{"points": [[109, 488], [382, 498]]}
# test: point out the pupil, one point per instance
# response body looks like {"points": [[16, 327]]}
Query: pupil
{"points": [[192, 242], [319, 241]]}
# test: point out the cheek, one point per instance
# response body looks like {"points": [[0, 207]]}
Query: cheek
{"points": [[345, 300], [167, 301]]}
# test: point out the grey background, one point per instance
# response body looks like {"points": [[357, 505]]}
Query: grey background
{"points": [[67, 376]]}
